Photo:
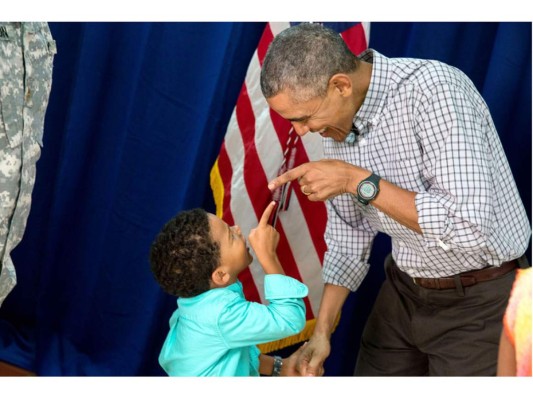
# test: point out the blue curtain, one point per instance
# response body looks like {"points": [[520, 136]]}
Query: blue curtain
{"points": [[136, 117]]}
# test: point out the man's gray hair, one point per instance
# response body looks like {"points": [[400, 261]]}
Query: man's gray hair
{"points": [[302, 59]]}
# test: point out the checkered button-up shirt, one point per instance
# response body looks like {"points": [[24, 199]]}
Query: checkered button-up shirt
{"points": [[424, 127]]}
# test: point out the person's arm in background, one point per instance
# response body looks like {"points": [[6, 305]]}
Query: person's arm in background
{"points": [[506, 357], [514, 355]]}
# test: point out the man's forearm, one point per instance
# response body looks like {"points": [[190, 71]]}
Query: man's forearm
{"points": [[399, 204], [396, 202], [333, 299]]}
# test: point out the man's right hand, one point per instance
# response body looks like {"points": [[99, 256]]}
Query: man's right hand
{"points": [[312, 356]]}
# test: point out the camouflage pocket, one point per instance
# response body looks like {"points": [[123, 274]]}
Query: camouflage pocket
{"points": [[39, 53], [11, 93]]}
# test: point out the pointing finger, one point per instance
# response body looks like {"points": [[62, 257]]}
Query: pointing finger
{"points": [[266, 214], [288, 176]]}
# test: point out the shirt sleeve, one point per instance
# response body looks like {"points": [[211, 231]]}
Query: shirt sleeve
{"points": [[349, 237], [456, 210], [245, 323]]}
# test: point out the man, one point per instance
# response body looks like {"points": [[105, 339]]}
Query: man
{"points": [[26, 56], [411, 150]]}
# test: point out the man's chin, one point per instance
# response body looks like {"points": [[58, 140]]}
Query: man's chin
{"points": [[334, 135]]}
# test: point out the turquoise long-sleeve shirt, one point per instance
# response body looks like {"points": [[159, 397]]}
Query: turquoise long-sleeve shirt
{"points": [[216, 332]]}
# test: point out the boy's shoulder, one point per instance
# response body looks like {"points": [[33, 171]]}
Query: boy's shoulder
{"points": [[212, 302]]}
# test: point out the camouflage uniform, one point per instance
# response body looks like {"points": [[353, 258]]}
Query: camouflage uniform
{"points": [[26, 57]]}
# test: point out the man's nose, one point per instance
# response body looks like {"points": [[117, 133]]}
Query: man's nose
{"points": [[300, 129]]}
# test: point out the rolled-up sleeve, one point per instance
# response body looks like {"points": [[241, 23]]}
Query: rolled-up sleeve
{"points": [[349, 240], [455, 211]]}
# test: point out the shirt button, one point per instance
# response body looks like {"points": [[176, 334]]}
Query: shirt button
{"points": [[444, 246]]}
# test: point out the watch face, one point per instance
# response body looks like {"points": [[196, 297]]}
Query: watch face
{"points": [[367, 190]]}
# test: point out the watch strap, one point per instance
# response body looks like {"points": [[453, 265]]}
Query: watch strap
{"points": [[278, 363]]}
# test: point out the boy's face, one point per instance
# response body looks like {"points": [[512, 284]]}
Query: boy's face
{"points": [[234, 253]]}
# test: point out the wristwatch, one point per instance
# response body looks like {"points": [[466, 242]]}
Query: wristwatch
{"points": [[368, 189]]}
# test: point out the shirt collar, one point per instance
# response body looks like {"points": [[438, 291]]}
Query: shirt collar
{"points": [[189, 301]]}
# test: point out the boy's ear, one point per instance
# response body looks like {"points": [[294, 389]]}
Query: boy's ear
{"points": [[220, 277]]}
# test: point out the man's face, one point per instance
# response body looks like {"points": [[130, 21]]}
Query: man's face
{"points": [[234, 253], [329, 116]]}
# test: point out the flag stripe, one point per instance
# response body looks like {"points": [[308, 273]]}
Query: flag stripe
{"points": [[264, 42], [255, 179], [270, 153], [355, 38], [314, 213], [235, 151], [289, 264], [254, 173]]}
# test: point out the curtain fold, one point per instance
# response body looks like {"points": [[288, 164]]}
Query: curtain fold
{"points": [[137, 114]]}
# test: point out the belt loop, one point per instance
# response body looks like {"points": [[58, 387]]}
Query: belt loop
{"points": [[459, 286]]}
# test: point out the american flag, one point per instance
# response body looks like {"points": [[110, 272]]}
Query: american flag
{"points": [[257, 147]]}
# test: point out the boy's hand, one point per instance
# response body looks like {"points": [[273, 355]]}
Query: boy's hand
{"points": [[290, 364], [264, 240]]}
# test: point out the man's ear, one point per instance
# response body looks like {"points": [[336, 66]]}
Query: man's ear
{"points": [[220, 277], [342, 83]]}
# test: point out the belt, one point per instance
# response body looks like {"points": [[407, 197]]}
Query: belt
{"points": [[469, 278]]}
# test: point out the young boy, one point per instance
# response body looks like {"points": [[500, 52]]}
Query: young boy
{"points": [[214, 331]]}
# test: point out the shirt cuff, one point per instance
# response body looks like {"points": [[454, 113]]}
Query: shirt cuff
{"points": [[342, 270], [279, 286], [433, 218]]}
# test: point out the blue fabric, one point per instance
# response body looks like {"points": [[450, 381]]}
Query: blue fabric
{"points": [[137, 114], [136, 117], [216, 332]]}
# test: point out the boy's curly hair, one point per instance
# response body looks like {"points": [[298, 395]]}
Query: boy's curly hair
{"points": [[184, 255]]}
